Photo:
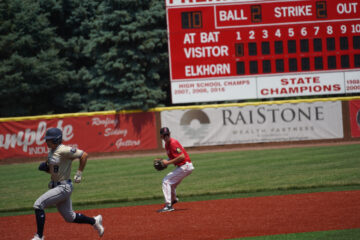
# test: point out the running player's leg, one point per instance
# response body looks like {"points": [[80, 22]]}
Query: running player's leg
{"points": [[66, 211], [49, 198]]}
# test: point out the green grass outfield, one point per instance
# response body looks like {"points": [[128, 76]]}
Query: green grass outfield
{"points": [[133, 181], [351, 234]]}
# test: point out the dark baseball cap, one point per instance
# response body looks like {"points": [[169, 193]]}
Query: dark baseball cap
{"points": [[164, 131], [53, 133]]}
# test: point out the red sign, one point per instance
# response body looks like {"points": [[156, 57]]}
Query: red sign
{"points": [[98, 133], [240, 41], [354, 107]]}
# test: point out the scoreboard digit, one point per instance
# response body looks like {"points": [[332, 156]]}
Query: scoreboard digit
{"points": [[191, 20], [244, 49], [321, 11], [255, 13]]}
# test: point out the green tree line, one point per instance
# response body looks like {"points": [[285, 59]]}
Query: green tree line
{"points": [[63, 56]]}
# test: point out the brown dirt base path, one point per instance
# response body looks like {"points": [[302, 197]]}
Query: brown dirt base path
{"points": [[215, 219]]}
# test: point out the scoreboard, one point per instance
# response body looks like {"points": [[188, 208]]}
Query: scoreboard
{"points": [[223, 50]]}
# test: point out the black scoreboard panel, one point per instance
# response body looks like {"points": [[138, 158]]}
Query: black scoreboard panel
{"points": [[304, 54]]}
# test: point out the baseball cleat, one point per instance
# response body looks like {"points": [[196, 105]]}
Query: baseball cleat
{"points": [[36, 237], [167, 208], [98, 225], [175, 201]]}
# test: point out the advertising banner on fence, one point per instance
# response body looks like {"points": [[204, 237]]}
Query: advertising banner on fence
{"points": [[98, 133], [354, 108], [254, 124]]}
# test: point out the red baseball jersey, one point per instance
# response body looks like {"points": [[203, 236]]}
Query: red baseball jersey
{"points": [[173, 149]]}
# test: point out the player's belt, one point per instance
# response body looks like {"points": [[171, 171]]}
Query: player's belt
{"points": [[63, 182], [53, 184]]}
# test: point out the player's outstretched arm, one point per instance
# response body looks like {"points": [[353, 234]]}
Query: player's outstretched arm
{"points": [[83, 160]]}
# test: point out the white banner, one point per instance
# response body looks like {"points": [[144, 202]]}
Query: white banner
{"points": [[262, 87], [352, 81], [201, 90], [300, 84], [252, 124]]}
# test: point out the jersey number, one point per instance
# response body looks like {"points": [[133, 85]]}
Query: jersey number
{"points": [[56, 168]]}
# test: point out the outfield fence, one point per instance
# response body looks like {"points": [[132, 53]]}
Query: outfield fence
{"points": [[198, 126]]}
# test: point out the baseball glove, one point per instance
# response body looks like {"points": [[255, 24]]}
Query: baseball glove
{"points": [[159, 164], [44, 167]]}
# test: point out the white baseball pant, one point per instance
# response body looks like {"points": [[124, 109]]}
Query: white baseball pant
{"points": [[172, 180]]}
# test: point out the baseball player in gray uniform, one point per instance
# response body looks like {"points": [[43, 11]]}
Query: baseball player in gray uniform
{"points": [[58, 165]]}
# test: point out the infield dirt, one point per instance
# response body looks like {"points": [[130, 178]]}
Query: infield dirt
{"points": [[215, 219]]}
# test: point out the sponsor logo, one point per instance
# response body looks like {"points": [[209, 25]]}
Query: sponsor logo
{"points": [[273, 115], [263, 123], [28, 137], [109, 131], [195, 123], [104, 122], [120, 143]]}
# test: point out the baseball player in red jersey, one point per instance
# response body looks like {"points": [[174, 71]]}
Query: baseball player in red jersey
{"points": [[184, 167], [58, 165]]}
